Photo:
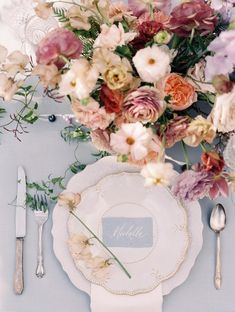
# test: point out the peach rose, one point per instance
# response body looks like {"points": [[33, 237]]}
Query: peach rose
{"points": [[182, 93]]}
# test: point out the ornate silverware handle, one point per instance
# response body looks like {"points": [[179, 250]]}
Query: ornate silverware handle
{"points": [[218, 276], [19, 280], [40, 271]]}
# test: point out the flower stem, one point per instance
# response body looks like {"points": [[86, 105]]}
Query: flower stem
{"points": [[192, 35], [203, 147], [185, 152], [151, 10], [97, 238], [105, 20]]}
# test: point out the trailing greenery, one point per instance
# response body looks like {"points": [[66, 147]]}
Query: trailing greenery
{"points": [[27, 114], [50, 188], [76, 167], [2, 111], [74, 133]]}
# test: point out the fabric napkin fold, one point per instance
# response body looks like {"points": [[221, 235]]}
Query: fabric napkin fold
{"points": [[104, 301]]}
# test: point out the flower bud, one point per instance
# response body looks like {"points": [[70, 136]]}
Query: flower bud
{"points": [[162, 37], [222, 84], [231, 25]]}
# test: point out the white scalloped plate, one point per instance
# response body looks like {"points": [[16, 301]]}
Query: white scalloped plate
{"points": [[90, 176], [145, 227]]}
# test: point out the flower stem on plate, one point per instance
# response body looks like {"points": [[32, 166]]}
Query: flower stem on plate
{"points": [[97, 238], [185, 152]]}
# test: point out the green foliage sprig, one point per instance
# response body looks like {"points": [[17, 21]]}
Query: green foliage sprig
{"points": [[60, 14], [50, 188], [2, 111], [27, 113], [74, 133]]}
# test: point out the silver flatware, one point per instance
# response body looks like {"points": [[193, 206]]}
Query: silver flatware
{"points": [[41, 216], [217, 224], [20, 222]]}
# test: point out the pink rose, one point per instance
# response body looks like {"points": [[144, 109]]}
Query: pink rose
{"points": [[58, 42], [144, 104]]}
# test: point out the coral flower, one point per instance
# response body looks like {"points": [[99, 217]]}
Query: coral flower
{"points": [[212, 162], [181, 93]]}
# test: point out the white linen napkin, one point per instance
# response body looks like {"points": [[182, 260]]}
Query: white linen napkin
{"points": [[104, 301]]}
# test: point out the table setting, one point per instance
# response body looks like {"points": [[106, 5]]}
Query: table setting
{"points": [[117, 156]]}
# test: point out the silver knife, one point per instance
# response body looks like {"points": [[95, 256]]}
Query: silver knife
{"points": [[20, 221]]}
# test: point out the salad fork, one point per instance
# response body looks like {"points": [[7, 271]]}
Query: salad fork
{"points": [[41, 216]]}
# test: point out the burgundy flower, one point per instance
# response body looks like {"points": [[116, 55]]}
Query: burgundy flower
{"points": [[176, 130], [145, 104], [211, 161], [57, 43], [148, 29], [111, 99], [195, 15], [139, 42]]}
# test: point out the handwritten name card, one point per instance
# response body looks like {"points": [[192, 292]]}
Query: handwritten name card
{"points": [[128, 232]]}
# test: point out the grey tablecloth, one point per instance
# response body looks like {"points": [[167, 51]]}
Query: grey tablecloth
{"points": [[41, 152]]}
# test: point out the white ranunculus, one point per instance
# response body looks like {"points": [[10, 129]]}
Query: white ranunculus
{"points": [[223, 113], [131, 139], [152, 63], [160, 174]]}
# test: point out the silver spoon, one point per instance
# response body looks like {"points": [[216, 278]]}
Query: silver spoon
{"points": [[217, 224]]}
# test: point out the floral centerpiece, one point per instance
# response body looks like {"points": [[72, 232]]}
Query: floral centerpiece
{"points": [[141, 77]]}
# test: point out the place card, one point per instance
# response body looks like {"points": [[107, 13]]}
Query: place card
{"points": [[127, 232]]}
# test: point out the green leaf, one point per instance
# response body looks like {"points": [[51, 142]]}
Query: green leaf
{"points": [[20, 93], [60, 14], [124, 51], [167, 98], [30, 117], [77, 167], [2, 111], [125, 25]]}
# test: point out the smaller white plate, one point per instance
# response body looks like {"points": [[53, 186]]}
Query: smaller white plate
{"points": [[146, 228]]}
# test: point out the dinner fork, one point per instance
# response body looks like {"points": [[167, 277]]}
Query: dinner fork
{"points": [[41, 216]]}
